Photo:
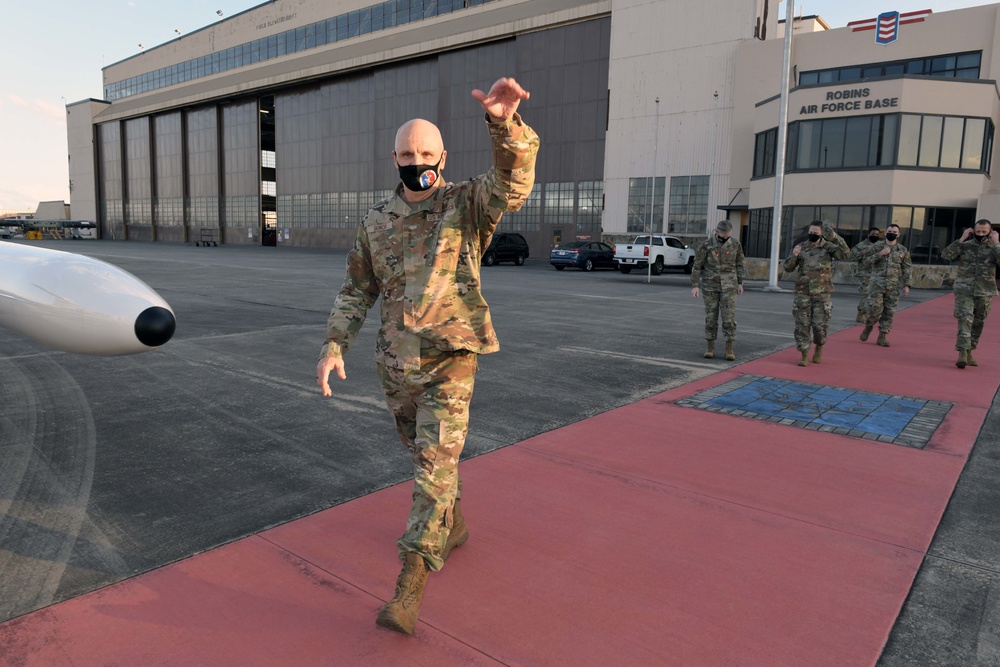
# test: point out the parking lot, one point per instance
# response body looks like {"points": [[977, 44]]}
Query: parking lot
{"points": [[114, 466]]}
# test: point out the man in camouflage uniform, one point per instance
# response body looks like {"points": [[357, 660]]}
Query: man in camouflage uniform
{"points": [[719, 266], [812, 308], [420, 250], [858, 254], [889, 266], [978, 253]]}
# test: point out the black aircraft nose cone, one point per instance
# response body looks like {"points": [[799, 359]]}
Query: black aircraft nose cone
{"points": [[155, 326]]}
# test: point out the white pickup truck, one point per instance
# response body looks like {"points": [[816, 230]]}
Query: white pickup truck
{"points": [[664, 252]]}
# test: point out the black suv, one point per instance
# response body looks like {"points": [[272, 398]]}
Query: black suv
{"points": [[506, 247]]}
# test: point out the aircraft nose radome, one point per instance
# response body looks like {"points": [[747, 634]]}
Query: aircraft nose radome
{"points": [[154, 326]]}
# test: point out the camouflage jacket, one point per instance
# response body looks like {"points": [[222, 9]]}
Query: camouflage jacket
{"points": [[977, 265], [858, 254], [423, 259], [889, 271], [815, 263], [719, 266]]}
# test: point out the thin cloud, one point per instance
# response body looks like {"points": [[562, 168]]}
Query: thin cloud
{"points": [[51, 112], [18, 101]]}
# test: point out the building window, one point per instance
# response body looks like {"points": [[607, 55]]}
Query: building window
{"points": [[688, 213], [925, 231], [862, 142], [589, 205], [380, 16], [640, 198], [945, 142], [763, 154], [956, 66]]}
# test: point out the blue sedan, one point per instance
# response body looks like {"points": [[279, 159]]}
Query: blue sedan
{"points": [[585, 255]]}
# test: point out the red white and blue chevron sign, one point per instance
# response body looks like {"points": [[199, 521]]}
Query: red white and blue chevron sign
{"points": [[886, 25]]}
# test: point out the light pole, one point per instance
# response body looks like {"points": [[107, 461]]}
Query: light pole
{"points": [[652, 193]]}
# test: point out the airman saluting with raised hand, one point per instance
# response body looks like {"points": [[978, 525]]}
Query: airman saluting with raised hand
{"points": [[978, 253], [812, 308], [889, 266]]}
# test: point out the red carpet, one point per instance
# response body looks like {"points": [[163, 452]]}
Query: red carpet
{"points": [[649, 535]]}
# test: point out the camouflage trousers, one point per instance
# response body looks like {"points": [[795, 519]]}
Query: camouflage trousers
{"points": [[880, 306], [717, 303], [812, 319], [864, 280], [971, 313], [431, 409]]}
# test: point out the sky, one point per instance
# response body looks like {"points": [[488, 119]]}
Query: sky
{"points": [[52, 53]]}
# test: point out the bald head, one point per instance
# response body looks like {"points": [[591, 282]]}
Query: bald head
{"points": [[418, 141]]}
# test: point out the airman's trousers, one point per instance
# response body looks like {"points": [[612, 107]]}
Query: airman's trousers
{"points": [[812, 316], [880, 306], [863, 281], [431, 409], [720, 303], [971, 313]]}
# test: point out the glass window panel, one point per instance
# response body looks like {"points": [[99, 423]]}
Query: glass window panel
{"points": [[909, 139], [972, 152], [834, 130], [871, 72], [857, 144], [968, 60], [895, 69], [808, 78], [951, 143], [850, 73], [943, 63], [851, 223], [887, 140], [829, 76], [809, 144], [915, 67], [930, 141]]}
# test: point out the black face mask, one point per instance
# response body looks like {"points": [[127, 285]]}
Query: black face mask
{"points": [[982, 239], [891, 237], [815, 237], [720, 239], [873, 238], [419, 177]]}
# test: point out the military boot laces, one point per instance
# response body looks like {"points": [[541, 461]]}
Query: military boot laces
{"points": [[459, 532], [400, 613]]}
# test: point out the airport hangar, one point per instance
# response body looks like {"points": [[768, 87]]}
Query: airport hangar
{"points": [[275, 125]]}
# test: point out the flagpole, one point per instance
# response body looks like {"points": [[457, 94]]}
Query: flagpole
{"points": [[779, 158]]}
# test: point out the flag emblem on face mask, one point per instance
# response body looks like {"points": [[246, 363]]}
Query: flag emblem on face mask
{"points": [[428, 178]]}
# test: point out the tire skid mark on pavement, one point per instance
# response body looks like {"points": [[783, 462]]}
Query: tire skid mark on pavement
{"points": [[46, 472]]}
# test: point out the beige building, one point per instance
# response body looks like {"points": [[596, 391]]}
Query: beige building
{"points": [[898, 132], [274, 126]]}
